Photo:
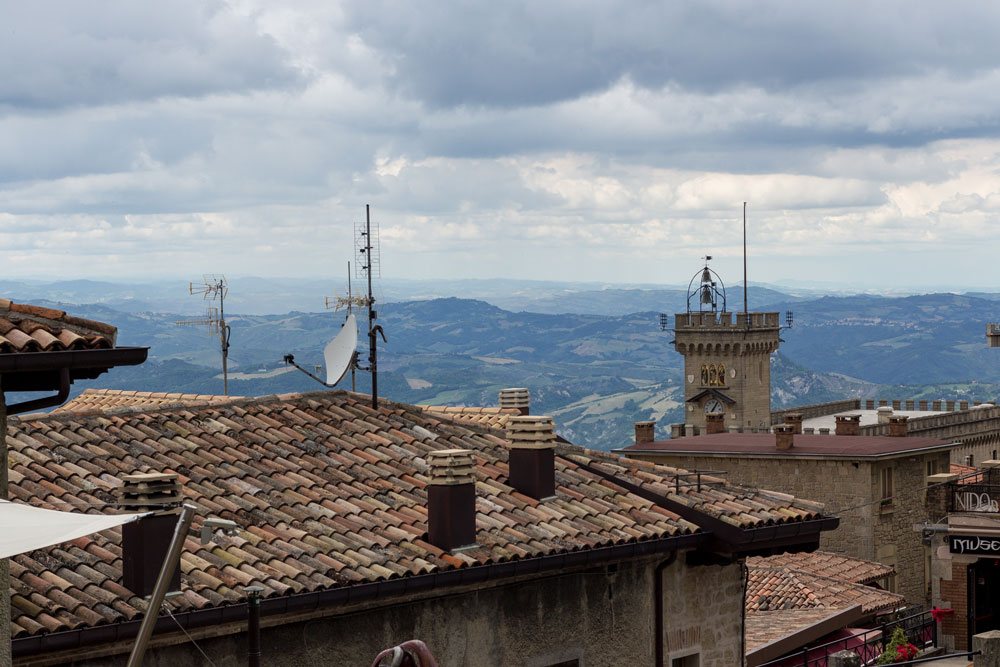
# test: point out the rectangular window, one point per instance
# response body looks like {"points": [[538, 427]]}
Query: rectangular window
{"points": [[693, 660], [566, 663], [886, 487], [931, 468]]}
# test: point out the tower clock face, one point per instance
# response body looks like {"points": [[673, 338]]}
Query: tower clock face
{"points": [[713, 406]]}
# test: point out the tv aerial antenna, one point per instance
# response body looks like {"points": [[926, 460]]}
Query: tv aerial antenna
{"points": [[340, 354], [211, 288]]}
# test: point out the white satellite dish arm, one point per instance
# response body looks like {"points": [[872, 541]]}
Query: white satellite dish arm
{"points": [[340, 354]]}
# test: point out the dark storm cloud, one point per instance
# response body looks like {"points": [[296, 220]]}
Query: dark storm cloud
{"points": [[524, 53], [69, 53]]}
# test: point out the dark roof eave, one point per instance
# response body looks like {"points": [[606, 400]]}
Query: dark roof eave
{"points": [[40, 371], [29, 362], [70, 640], [788, 453]]}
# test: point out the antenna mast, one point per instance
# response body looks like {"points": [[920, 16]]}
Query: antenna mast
{"points": [[368, 251], [212, 287]]}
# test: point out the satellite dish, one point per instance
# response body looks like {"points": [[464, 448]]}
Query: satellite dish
{"points": [[339, 352]]}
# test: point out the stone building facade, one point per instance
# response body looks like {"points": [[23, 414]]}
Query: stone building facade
{"points": [[727, 366], [588, 617], [850, 484]]}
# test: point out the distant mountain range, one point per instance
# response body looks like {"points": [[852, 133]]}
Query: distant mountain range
{"points": [[595, 372]]}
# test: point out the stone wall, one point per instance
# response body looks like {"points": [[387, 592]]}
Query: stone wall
{"points": [[897, 543], [699, 614], [817, 410], [600, 616], [712, 339], [850, 490]]}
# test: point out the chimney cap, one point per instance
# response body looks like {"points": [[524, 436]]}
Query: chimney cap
{"points": [[450, 467], [150, 490], [849, 418], [531, 432]]}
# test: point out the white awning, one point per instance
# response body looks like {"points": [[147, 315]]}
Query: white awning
{"points": [[24, 528]]}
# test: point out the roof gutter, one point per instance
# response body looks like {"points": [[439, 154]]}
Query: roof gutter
{"points": [[28, 362], [70, 640], [47, 401]]}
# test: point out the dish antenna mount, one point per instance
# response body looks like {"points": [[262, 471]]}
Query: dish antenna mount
{"points": [[340, 354]]}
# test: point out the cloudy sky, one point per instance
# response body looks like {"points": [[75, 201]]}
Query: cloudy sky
{"points": [[564, 139]]}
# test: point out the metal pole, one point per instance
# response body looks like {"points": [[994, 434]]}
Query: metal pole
{"points": [[224, 336], [253, 625], [746, 308], [350, 309], [372, 346], [5, 646], [171, 562]]}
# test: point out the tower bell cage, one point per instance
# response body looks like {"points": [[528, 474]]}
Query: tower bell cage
{"points": [[708, 294]]}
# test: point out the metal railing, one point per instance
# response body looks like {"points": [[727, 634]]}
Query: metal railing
{"points": [[920, 629]]}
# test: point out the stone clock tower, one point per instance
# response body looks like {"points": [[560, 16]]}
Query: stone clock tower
{"points": [[727, 361]]}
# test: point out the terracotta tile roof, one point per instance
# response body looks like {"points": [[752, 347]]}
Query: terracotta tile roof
{"points": [[736, 506], [328, 494], [806, 445], [783, 587], [764, 627], [827, 564], [113, 399], [26, 328], [482, 416], [967, 473]]}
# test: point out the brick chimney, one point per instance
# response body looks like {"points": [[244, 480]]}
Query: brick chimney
{"points": [[145, 542], [848, 424], [532, 441], [784, 434], [451, 498], [794, 419], [676, 431], [715, 423], [897, 426], [645, 432], [517, 397]]}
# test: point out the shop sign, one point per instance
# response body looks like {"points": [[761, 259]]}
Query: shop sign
{"points": [[975, 501], [974, 544]]}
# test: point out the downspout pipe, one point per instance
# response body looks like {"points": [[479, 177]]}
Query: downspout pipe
{"points": [[658, 606], [46, 402]]}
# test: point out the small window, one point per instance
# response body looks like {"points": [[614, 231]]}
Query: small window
{"points": [[693, 660], [994, 456], [566, 663], [931, 468], [886, 486], [969, 460]]}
